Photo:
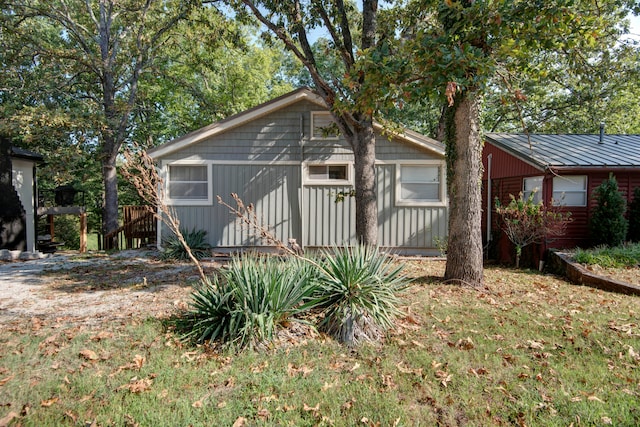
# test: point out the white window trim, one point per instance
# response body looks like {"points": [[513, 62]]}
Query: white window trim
{"points": [[312, 136], [538, 197], [413, 202], [335, 182], [187, 202], [584, 191]]}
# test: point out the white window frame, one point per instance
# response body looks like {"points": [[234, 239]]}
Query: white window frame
{"points": [[188, 202], [526, 192], [442, 190], [559, 200], [312, 134], [337, 182]]}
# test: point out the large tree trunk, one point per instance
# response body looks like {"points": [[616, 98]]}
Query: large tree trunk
{"points": [[110, 208], [364, 149], [464, 174]]}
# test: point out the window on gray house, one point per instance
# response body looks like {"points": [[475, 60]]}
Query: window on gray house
{"points": [[188, 182]]}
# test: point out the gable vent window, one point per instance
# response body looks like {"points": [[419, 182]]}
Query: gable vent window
{"points": [[328, 174], [188, 183], [570, 190], [323, 126]]}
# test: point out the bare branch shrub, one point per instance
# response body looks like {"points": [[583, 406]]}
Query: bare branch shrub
{"points": [[140, 170], [526, 222]]}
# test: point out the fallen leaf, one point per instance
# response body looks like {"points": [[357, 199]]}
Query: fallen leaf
{"points": [[465, 344], [264, 414], [240, 421], [535, 345], [348, 404], [444, 377], [303, 370], [138, 361], [417, 344], [387, 381], [6, 420], [49, 402], [606, 420], [313, 409], [88, 354], [137, 386], [130, 421], [6, 380], [87, 397], [71, 415], [36, 324], [258, 369], [102, 335]]}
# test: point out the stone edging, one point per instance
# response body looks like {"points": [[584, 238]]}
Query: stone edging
{"points": [[562, 264]]}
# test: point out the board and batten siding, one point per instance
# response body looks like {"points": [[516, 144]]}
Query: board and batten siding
{"points": [[410, 227], [262, 161], [327, 222], [272, 189]]}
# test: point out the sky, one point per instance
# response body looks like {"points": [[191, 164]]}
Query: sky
{"points": [[634, 29]]}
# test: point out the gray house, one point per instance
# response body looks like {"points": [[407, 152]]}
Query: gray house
{"points": [[286, 158]]}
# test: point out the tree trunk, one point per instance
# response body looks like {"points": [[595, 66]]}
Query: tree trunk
{"points": [[110, 179], [464, 174], [364, 150]]}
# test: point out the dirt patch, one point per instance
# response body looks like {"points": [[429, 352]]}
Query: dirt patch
{"points": [[100, 288]]}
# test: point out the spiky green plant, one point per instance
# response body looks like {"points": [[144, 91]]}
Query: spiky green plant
{"points": [[358, 292], [249, 300], [196, 239]]}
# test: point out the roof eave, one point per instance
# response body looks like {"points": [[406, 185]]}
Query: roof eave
{"points": [[21, 153], [519, 155]]}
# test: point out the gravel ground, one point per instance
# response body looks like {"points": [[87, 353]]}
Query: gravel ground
{"points": [[93, 289]]}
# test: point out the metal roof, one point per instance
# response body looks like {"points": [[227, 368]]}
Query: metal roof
{"points": [[571, 150]]}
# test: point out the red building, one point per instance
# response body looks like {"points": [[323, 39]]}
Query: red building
{"points": [[564, 169]]}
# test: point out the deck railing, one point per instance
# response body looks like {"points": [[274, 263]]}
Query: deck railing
{"points": [[139, 227]]}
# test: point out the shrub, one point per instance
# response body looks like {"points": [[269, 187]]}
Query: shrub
{"points": [[173, 248], [251, 298], [526, 222], [633, 234], [358, 293], [608, 225]]}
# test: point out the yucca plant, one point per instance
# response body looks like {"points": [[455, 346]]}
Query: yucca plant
{"points": [[358, 292], [249, 301], [195, 239]]}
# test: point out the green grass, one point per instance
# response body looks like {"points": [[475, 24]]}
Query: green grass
{"points": [[627, 255], [533, 350]]}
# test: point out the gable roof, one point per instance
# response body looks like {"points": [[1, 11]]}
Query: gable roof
{"points": [[270, 107], [570, 150]]}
